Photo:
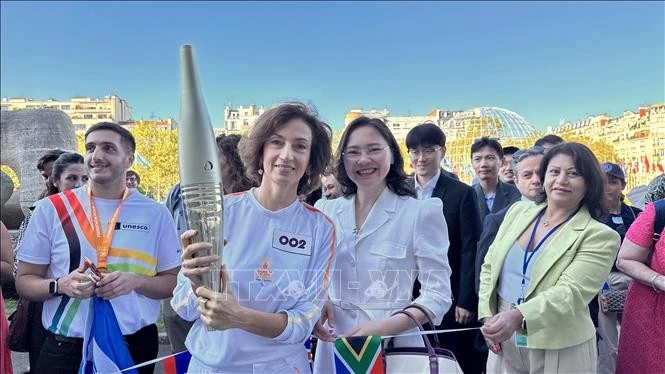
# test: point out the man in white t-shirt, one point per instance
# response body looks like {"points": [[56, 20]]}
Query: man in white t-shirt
{"points": [[138, 255]]}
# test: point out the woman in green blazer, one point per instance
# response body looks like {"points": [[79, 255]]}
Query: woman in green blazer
{"points": [[544, 267]]}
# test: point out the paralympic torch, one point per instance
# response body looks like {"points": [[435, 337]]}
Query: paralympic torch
{"points": [[200, 175]]}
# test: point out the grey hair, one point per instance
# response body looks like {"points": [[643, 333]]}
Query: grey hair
{"points": [[523, 154]]}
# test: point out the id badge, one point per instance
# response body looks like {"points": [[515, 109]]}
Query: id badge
{"points": [[520, 340]]}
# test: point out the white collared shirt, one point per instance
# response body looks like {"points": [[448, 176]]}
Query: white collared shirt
{"points": [[426, 191]]}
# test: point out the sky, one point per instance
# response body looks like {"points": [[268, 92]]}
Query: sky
{"points": [[545, 61]]}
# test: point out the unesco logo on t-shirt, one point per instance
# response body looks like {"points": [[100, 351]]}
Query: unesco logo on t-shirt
{"points": [[142, 227]]}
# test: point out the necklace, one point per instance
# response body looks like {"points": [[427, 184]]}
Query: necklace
{"points": [[546, 223]]}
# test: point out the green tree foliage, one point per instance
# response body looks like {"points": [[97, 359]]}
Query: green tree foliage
{"points": [[160, 149], [80, 143], [604, 151]]}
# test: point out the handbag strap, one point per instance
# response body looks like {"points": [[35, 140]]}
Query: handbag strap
{"points": [[659, 221], [435, 337], [658, 224], [433, 360]]}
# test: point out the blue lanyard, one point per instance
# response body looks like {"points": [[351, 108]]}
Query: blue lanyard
{"points": [[529, 255]]}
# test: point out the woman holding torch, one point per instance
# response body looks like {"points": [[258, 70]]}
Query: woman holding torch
{"points": [[277, 258]]}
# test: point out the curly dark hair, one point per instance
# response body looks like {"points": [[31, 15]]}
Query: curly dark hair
{"points": [[396, 180], [228, 147], [251, 145], [588, 167]]}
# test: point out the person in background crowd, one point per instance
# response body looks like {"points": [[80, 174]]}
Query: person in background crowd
{"points": [[133, 179], [526, 164], [492, 195], [381, 228], [65, 172], [642, 257], [68, 172], [548, 261], [506, 173], [234, 179], [426, 144], [234, 173], [273, 290], [45, 167], [6, 273], [331, 187], [619, 218], [548, 141], [140, 265]]}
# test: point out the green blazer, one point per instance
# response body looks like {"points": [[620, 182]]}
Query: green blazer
{"points": [[567, 275]]}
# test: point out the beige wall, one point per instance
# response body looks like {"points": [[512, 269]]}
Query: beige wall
{"points": [[83, 111]]}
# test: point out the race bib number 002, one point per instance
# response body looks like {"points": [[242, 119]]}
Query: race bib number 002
{"points": [[292, 243]]}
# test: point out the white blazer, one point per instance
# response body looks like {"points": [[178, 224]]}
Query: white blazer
{"points": [[402, 238]]}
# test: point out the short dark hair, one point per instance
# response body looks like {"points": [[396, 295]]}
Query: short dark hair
{"points": [[425, 134], [251, 145], [125, 136], [548, 139], [132, 172], [49, 156], [59, 166], [486, 141], [396, 180], [509, 150], [228, 147], [588, 167]]}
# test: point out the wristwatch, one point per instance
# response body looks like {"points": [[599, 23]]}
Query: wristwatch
{"points": [[53, 287]]}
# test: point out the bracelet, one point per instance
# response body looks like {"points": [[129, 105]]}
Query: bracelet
{"points": [[653, 282]]}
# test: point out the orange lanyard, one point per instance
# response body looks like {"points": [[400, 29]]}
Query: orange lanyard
{"points": [[103, 241]]}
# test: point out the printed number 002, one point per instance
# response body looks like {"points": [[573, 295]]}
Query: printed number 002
{"points": [[292, 242]]}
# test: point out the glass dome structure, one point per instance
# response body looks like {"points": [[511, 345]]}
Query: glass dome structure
{"points": [[463, 129]]}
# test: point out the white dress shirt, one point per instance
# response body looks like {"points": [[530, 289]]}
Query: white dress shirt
{"points": [[425, 192]]}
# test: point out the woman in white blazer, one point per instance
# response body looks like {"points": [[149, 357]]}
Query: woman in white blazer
{"points": [[385, 239]]}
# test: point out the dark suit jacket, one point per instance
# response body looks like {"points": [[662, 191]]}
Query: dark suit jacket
{"points": [[506, 194], [490, 228], [459, 208], [449, 174]]}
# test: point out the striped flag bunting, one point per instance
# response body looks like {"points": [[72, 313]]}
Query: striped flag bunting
{"points": [[358, 355]]}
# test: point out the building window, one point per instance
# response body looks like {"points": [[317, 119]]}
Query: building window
{"points": [[87, 116], [102, 116], [64, 107]]}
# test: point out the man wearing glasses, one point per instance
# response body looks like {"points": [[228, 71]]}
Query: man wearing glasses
{"points": [[427, 148]]}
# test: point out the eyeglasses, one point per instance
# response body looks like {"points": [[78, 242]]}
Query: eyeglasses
{"points": [[356, 153], [427, 152]]}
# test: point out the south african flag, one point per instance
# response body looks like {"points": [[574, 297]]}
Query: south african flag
{"points": [[358, 355]]}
